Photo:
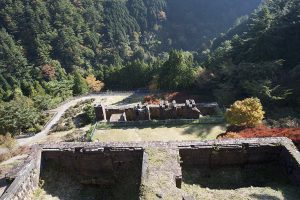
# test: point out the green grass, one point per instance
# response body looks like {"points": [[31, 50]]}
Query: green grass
{"points": [[159, 133]]}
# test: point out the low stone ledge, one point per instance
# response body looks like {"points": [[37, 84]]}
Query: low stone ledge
{"points": [[254, 142]]}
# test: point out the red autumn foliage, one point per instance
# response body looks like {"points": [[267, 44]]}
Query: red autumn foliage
{"points": [[180, 97], [151, 99], [263, 131]]}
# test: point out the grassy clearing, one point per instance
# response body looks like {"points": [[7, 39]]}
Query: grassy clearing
{"points": [[160, 133]]}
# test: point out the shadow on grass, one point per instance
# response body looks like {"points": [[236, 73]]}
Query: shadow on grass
{"points": [[269, 175], [200, 130], [203, 130]]}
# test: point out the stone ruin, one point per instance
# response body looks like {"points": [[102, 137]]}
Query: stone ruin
{"points": [[164, 111], [151, 170]]}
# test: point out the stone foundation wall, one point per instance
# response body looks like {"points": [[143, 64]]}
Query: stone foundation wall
{"points": [[95, 167], [230, 155], [160, 162], [164, 111], [26, 180], [290, 160]]}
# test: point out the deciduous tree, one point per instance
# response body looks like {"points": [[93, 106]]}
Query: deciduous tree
{"points": [[93, 83], [248, 112]]}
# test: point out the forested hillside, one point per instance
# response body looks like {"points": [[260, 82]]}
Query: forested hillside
{"points": [[45, 41], [53, 49], [258, 57]]}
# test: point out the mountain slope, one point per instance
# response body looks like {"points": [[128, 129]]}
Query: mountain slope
{"points": [[259, 57]]}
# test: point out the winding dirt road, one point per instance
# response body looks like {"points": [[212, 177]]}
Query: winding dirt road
{"points": [[61, 110], [106, 97]]}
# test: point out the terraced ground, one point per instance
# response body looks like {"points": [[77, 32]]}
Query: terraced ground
{"points": [[160, 133]]}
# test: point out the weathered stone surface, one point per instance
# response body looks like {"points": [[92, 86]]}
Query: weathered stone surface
{"points": [[164, 111], [26, 180], [94, 167], [161, 162]]}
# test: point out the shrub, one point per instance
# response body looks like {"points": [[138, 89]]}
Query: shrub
{"points": [[90, 113], [88, 134], [248, 112], [75, 136], [7, 141]]}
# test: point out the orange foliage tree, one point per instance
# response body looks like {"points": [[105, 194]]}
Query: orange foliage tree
{"points": [[94, 84], [48, 71]]}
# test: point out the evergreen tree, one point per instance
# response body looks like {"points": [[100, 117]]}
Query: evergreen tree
{"points": [[80, 86], [178, 72]]}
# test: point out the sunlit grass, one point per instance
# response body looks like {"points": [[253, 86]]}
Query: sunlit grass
{"points": [[160, 133]]}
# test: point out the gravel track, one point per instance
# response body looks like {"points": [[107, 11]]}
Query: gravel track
{"points": [[59, 113]]}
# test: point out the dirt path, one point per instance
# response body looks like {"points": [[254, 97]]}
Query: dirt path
{"points": [[106, 98], [60, 111]]}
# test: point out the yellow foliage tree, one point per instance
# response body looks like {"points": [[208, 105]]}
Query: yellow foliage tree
{"points": [[93, 83], [248, 112]]}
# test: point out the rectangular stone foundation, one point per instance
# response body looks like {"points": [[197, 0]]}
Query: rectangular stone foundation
{"points": [[240, 171], [157, 170], [108, 173]]}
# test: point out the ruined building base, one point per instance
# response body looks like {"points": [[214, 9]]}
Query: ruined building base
{"points": [[155, 170], [164, 111]]}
